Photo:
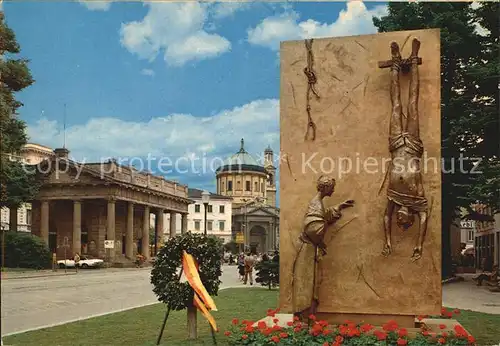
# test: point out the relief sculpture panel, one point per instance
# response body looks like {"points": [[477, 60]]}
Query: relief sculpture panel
{"points": [[367, 105]]}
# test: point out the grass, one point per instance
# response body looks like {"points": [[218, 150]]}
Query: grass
{"points": [[484, 327], [140, 327]]}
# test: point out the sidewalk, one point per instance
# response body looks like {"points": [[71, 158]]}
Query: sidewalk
{"points": [[29, 274]]}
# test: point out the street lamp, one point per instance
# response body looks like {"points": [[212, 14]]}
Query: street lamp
{"points": [[205, 199]]}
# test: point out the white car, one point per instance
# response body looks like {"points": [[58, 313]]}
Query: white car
{"points": [[85, 262]]}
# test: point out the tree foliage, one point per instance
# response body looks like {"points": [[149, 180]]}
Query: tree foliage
{"points": [[18, 185], [165, 273], [268, 273], [469, 100], [23, 250]]}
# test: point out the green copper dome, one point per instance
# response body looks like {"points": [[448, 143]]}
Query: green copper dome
{"points": [[241, 161]]}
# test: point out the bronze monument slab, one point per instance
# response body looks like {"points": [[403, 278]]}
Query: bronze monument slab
{"points": [[347, 113]]}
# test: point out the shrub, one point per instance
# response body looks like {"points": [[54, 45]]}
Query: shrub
{"points": [[24, 250], [165, 273], [347, 334], [268, 273]]}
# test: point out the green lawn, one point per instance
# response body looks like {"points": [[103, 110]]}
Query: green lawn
{"points": [[141, 326]]}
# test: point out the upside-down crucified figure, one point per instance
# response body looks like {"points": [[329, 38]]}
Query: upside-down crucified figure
{"points": [[405, 192]]}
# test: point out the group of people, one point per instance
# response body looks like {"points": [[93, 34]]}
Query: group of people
{"points": [[246, 263], [489, 273]]}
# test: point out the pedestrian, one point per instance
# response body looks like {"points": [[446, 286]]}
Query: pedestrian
{"points": [[249, 264], [77, 261], [241, 266]]}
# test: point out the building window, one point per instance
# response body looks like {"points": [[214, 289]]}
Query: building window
{"points": [[28, 217], [222, 187], [209, 225], [256, 187], [196, 208], [221, 225], [221, 209], [197, 225], [209, 208], [229, 185], [247, 186], [470, 235], [262, 187]]}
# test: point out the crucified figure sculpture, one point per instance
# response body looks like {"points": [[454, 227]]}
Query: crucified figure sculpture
{"points": [[405, 192]]}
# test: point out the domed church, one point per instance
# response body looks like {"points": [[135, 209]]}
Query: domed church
{"points": [[252, 186]]}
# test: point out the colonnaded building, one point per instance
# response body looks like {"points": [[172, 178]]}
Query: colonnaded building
{"points": [[81, 205], [252, 186]]}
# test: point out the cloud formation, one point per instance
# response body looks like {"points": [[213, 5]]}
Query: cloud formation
{"points": [[356, 19], [96, 5], [176, 30], [147, 72], [198, 144]]}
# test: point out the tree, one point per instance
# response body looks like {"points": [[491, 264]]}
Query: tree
{"points": [[469, 100], [268, 273], [18, 184]]}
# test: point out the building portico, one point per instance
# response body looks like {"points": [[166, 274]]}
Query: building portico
{"points": [[79, 206]]}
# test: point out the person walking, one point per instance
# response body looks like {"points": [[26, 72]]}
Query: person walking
{"points": [[77, 261], [249, 264], [241, 266]]}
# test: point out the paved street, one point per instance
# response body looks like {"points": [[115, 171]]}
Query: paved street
{"points": [[30, 303]]}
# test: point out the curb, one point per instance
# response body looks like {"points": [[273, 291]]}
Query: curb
{"points": [[36, 276], [63, 274]]}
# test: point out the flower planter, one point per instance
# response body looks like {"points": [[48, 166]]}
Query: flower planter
{"points": [[284, 329]]}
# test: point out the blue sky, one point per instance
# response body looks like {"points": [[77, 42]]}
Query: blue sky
{"points": [[165, 80]]}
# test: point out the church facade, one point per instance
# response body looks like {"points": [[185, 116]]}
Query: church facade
{"points": [[252, 186]]}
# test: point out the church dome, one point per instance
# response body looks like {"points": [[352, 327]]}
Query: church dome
{"points": [[241, 161]]}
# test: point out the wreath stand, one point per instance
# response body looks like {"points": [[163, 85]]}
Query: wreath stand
{"points": [[191, 317]]}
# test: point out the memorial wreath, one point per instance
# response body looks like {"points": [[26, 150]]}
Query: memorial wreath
{"points": [[165, 275]]}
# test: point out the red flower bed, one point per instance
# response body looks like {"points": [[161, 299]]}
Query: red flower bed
{"points": [[348, 334]]}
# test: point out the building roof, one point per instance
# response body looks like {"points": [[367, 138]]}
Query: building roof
{"points": [[241, 161], [196, 193]]}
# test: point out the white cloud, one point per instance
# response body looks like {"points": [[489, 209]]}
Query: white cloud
{"points": [[96, 5], [147, 72], [175, 29], [227, 9], [356, 19], [172, 136]]}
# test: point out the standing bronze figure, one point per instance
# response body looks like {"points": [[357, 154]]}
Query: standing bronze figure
{"points": [[405, 192], [311, 247]]}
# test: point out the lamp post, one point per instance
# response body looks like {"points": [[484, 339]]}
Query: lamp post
{"points": [[205, 199]]}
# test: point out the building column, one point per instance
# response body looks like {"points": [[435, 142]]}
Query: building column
{"points": [[44, 226], [271, 237], [184, 224], [129, 236], [110, 231], [496, 250], [160, 228], [173, 224], [13, 215], [145, 234], [77, 227], [246, 234]]}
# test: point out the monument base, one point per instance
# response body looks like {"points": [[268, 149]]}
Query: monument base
{"points": [[405, 321], [431, 325]]}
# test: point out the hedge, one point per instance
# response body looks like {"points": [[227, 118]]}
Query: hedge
{"points": [[24, 250]]}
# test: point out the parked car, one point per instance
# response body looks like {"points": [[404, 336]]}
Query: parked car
{"points": [[85, 262]]}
